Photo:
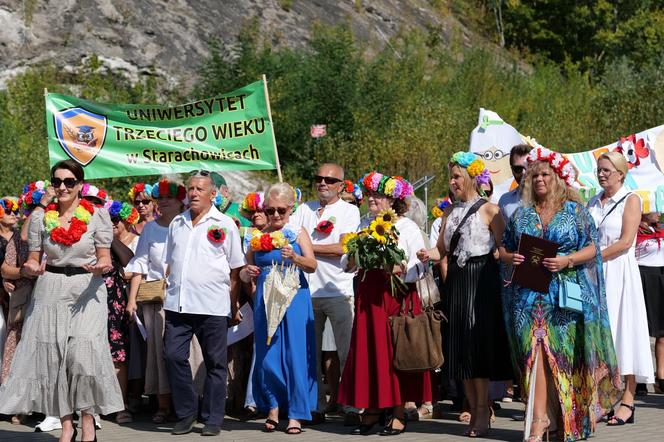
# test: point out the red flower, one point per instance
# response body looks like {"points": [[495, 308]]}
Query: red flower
{"points": [[164, 189], [216, 235], [87, 205], [325, 227], [348, 186], [266, 242], [102, 194], [633, 150], [69, 236]]}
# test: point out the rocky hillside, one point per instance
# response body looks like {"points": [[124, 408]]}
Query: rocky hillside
{"points": [[169, 38]]}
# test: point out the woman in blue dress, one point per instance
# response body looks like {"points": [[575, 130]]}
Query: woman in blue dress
{"points": [[285, 371]]}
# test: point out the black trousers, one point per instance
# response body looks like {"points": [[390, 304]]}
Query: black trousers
{"points": [[211, 333]]}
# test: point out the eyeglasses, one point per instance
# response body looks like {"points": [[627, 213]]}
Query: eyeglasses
{"points": [[603, 171], [280, 210], [11, 212], [144, 202], [328, 179], [69, 182], [518, 169]]}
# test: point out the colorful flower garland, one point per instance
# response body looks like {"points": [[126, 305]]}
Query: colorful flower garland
{"points": [[165, 188], [124, 211], [8, 205], [473, 165], [78, 225], [392, 186], [253, 202], [266, 242], [138, 188], [353, 189], [558, 162], [438, 210], [32, 195]]}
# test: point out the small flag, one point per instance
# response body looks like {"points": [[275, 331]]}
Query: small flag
{"points": [[318, 130]]}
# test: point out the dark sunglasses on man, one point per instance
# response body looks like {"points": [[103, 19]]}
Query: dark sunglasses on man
{"points": [[329, 180], [144, 202], [279, 210], [70, 183]]}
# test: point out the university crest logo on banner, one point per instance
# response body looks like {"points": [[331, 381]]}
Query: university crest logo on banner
{"points": [[81, 133]]}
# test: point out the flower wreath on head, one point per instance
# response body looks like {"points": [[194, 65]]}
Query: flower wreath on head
{"points": [[165, 188], [94, 192], [392, 186], [438, 210], [252, 203], [8, 205], [32, 195], [558, 162], [138, 188], [353, 189], [474, 166], [124, 211]]}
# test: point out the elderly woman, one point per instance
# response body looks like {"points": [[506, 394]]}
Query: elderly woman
{"points": [[369, 379], [148, 265], [650, 256], [617, 214], [476, 342], [140, 196], [569, 354], [285, 370], [8, 220], [62, 362]]}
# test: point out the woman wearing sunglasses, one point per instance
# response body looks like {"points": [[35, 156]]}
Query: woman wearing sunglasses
{"points": [[285, 370], [62, 362], [140, 195], [8, 220]]}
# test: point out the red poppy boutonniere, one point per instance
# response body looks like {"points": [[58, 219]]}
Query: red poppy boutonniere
{"points": [[216, 234], [326, 227]]}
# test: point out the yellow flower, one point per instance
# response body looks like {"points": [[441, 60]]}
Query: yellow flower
{"points": [[347, 238], [278, 239], [390, 185], [380, 230], [51, 220], [387, 215], [82, 214], [436, 212], [255, 243], [475, 168]]}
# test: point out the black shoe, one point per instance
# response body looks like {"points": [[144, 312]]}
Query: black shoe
{"points": [[659, 386], [316, 418], [618, 421], [184, 425], [641, 390], [365, 428], [388, 430], [352, 419], [211, 430]]}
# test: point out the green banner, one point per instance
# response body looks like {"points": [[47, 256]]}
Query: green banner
{"points": [[229, 132]]}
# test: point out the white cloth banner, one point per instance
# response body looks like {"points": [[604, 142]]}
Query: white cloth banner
{"points": [[493, 139]]}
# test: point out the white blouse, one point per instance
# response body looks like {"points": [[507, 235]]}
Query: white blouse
{"points": [[476, 238], [650, 253], [149, 255]]}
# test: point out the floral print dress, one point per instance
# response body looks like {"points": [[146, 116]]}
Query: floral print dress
{"points": [[118, 322]]}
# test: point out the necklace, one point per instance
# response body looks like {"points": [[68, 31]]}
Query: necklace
{"points": [[77, 227]]}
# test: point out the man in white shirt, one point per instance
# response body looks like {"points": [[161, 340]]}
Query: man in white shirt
{"points": [[510, 201], [204, 256], [327, 221]]}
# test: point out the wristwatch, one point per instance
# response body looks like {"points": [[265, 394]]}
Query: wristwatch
{"points": [[570, 262]]}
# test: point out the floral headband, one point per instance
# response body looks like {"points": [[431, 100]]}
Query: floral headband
{"points": [[94, 192], [558, 162], [251, 204], [392, 186], [165, 189], [473, 165], [138, 188], [438, 210], [124, 211], [353, 189], [8, 205], [32, 195]]}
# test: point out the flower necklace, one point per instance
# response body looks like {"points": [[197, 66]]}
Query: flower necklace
{"points": [[79, 223]]}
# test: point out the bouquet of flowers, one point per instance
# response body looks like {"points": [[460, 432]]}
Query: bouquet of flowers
{"points": [[377, 247]]}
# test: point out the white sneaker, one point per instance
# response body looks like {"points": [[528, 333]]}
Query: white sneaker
{"points": [[49, 423]]}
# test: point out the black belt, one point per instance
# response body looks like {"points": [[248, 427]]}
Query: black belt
{"points": [[66, 270]]}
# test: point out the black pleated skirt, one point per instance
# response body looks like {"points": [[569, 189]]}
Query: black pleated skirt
{"points": [[476, 341], [652, 279]]}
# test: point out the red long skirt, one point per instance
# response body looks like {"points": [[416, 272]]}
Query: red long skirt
{"points": [[369, 379]]}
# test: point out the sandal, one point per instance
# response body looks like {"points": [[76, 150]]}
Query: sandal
{"points": [[294, 430], [160, 417], [618, 421], [274, 424], [464, 417], [124, 417], [425, 411]]}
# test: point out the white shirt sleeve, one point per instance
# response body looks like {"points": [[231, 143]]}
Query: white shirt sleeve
{"points": [[233, 248], [410, 240], [139, 263], [435, 231]]}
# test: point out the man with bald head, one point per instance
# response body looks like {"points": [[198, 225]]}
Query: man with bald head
{"points": [[327, 220]]}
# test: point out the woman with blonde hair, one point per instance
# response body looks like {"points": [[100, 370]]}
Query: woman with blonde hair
{"points": [[565, 358], [617, 214]]}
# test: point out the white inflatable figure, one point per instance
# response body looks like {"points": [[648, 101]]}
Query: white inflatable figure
{"points": [[493, 139]]}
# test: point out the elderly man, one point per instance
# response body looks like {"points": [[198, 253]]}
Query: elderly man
{"points": [[327, 221], [204, 256]]}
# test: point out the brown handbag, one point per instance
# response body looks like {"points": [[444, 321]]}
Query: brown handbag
{"points": [[151, 291], [18, 304], [417, 340]]}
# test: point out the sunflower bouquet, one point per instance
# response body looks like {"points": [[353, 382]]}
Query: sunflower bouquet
{"points": [[377, 247]]}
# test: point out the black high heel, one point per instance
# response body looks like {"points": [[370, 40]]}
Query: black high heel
{"points": [[388, 430], [73, 436], [618, 421], [363, 428]]}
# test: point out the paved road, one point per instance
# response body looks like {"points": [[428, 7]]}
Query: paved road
{"points": [[649, 417]]}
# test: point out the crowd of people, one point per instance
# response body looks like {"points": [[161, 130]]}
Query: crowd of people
{"points": [[108, 302]]}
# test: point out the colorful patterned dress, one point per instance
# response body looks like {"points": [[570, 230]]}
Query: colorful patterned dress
{"points": [[578, 347]]}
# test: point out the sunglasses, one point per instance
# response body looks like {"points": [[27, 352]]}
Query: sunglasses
{"points": [[328, 179], [280, 210], [69, 182], [144, 202], [11, 212], [518, 169]]}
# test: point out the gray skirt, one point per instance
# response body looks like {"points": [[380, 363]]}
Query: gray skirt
{"points": [[63, 362]]}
